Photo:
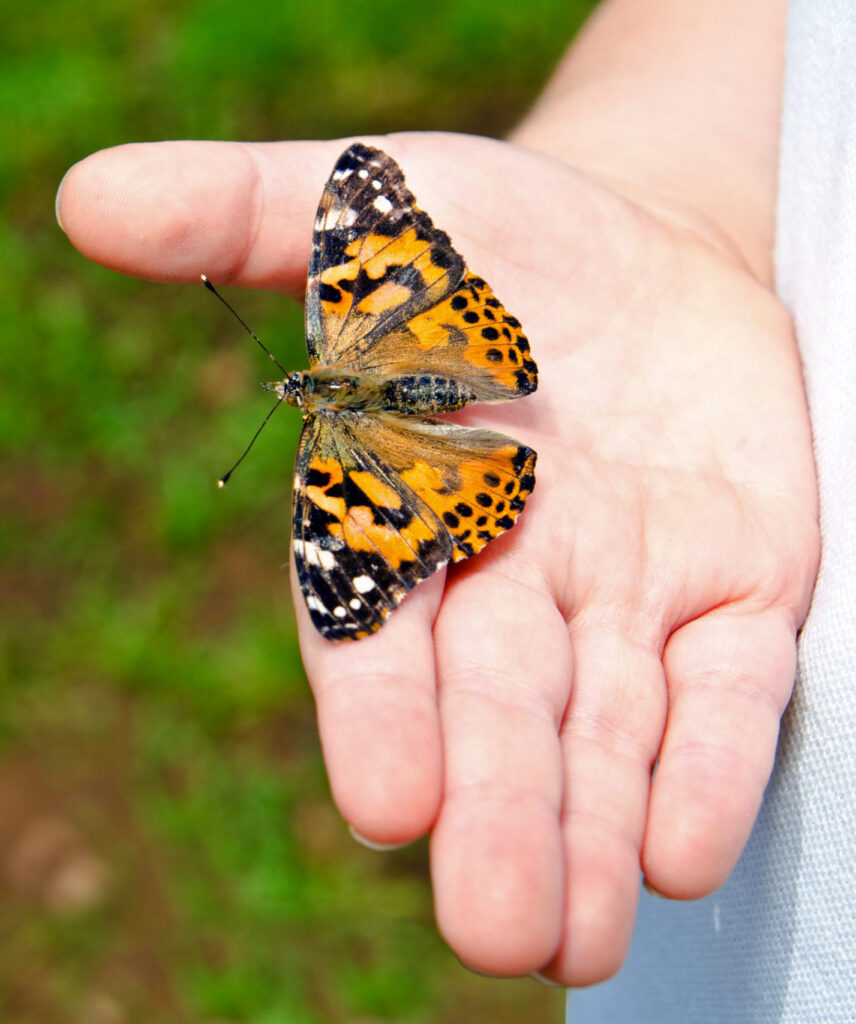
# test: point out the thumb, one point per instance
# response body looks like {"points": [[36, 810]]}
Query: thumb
{"points": [[168, 211]]}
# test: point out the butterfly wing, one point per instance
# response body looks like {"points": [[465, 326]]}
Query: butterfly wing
{"points": [[377, 260], [381, 503], [361, 540], [388, 294]]}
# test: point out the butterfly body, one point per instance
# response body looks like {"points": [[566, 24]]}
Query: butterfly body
{"points": [[398, 332], [314, 391]]}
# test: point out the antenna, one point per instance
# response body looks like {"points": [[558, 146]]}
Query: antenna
{"points": [[254, 336], [224, 479]]}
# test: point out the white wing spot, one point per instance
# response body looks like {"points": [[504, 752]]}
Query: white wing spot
{"points": [[315, 555], [339, 612], [363, 584], [362, 173], [354, 603], [375, 183], [313, 603], [382, 204]]}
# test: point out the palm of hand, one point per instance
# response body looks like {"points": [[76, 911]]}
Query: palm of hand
{"points": [[645, 605]]}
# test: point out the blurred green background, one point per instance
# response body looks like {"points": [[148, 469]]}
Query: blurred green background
{"points": [[168, 848]]}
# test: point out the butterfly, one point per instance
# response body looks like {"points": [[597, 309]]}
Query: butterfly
{"points": [[398, 330]]}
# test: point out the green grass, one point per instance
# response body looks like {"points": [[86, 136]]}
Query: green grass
{"points": [[152, 696]]}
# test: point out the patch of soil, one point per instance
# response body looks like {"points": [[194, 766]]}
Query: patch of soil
{"points": [[84, 910]]}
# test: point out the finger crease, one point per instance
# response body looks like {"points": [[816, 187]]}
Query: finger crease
{"points": [[256, 217], [540, 711]]}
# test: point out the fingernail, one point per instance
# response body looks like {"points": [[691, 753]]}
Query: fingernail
{"points": [[543, 980], [58, 200], [372, 845]]}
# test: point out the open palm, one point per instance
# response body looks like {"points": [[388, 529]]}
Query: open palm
{"points": [[642, 611]]}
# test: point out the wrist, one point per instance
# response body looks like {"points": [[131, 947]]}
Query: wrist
{"points": [[676, 106]]}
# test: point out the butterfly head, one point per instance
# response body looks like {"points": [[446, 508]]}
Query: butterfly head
{"points": [[291, 389]]}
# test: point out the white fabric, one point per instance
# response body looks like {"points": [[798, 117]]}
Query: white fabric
{"points": [[777, 944]]}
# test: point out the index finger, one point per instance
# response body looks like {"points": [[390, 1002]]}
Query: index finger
{"points": [[168, 211]]}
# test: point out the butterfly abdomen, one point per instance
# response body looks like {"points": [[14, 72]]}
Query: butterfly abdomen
{"points": [[424, 394], [408, 394]]}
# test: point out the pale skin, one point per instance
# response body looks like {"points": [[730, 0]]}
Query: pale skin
{"points": [[645, 607]]}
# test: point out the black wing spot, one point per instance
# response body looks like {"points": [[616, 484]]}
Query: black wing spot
{"points": [[520, 458], [353, 157], [525, 384], [316, 478]]}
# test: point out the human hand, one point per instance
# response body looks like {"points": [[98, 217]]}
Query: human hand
{"points": [[643, 609]]}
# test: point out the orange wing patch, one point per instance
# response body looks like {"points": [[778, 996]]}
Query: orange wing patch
{"points": [[384, 298], [361, 530]]}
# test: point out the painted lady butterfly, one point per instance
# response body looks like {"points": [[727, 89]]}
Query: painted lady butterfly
{"points": [[397, 330]]}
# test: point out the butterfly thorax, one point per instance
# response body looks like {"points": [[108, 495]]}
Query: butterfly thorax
{"points": [[327, 389]]}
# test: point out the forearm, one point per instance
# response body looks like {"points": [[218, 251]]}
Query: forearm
{"points": [[676, 103]]}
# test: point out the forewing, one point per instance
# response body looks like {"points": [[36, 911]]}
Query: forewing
{"points": [[362, 539], [377, 260], [469, 336]]}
